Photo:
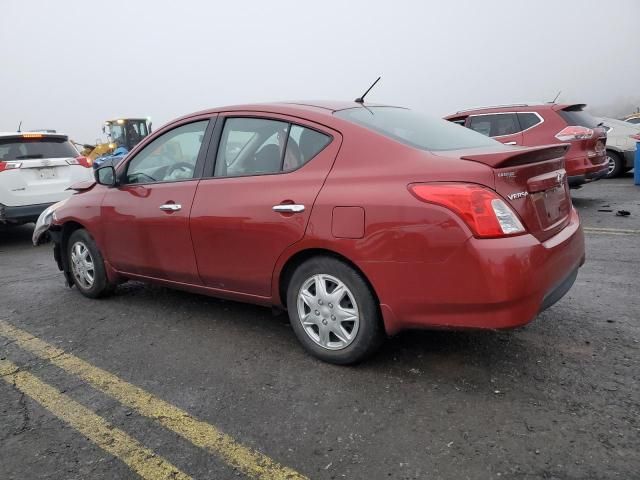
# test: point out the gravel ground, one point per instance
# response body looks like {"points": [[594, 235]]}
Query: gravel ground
{"points": [[558, 399]]}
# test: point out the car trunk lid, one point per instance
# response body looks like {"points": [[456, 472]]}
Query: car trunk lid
{"points": [[533, 181]]}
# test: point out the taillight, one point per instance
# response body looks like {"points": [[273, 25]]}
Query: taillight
{"points": [[573, 132], [9, 165], [80, 160], [636, 137], [486, 214]]}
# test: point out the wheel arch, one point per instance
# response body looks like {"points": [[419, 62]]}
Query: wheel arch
{"points": [[66, 230], [299, 257]]}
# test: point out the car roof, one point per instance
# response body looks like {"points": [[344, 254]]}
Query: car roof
{"points": [[311, 109], [515, 107]]}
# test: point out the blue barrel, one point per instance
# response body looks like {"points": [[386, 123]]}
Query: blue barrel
{"points": [[636, 166]]}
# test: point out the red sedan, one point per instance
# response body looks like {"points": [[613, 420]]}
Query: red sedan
{"points": [[360, 220]]}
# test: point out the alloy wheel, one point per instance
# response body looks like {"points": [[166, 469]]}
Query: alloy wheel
{"points": [[328, 312], [611, 165]]}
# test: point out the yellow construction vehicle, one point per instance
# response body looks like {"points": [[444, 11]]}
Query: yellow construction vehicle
{"points": [[123, 135]]}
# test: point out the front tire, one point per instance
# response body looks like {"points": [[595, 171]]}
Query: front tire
{"points": [[616, 164], [86, 265], [333, 311]]}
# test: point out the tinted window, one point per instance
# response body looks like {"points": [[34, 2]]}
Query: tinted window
{"points": [[170, 157], [308, 142], [254, 146], [26, 148], [528, 120], [634, 120], [495, 125], [578, 118], [415, 129]]}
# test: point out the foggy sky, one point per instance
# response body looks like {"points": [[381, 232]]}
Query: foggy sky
{"points": [[70, 65]]}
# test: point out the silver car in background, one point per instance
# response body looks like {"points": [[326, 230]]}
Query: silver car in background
{"points": [[621, 145]]}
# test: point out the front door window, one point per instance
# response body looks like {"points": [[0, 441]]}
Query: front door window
{"points": [[170, 157]]}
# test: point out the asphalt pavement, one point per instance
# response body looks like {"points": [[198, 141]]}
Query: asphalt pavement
{"points": [[157, 383]]}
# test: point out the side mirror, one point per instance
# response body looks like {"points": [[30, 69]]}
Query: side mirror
{"points": [[106, 176]]}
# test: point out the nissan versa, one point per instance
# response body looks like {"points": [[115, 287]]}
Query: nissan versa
{"points": [[360, 220]]}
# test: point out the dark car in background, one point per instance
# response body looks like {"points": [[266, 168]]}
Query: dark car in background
{"points": [[540, 124]]}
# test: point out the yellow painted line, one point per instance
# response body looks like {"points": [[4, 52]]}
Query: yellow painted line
{"points": [[204, 435], [112, 440]]}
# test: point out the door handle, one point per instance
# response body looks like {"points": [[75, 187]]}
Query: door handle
{"points": [[170, 207], [288, 208], [511, 143]]}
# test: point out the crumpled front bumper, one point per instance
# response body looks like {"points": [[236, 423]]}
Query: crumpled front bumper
{"points": [[41, 232]]}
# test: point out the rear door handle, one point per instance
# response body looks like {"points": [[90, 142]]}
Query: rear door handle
{"points": [[288, 208], [170, 207], [511, 143]]}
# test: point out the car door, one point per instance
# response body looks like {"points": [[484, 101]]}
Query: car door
{"points": [[145, 219], [268, 172], [503, 127]]}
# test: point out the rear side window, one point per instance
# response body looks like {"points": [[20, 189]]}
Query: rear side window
{"points": [[528, 120], [415, 129], [255, 146], [579, 118], [495, 125], [32, 148]]}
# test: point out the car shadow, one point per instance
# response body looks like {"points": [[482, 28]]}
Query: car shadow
{"points": [[439, 352], [11, 235]]}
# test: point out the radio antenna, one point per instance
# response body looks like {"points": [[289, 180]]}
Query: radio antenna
{"points": [[361, 99], [556, 97]]}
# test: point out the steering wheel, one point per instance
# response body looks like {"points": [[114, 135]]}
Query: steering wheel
{"points": [[178, 165]]}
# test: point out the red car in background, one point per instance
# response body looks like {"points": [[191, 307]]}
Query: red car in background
{"points": [[360, 220], [544, 124]]}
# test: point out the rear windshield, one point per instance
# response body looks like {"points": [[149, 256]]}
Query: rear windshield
{"points": [[579, 118], [26, 148], [416, 129]]}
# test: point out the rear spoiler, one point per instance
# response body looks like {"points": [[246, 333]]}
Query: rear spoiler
{"points": [[35, 136], [574, 107], [520, 156]]}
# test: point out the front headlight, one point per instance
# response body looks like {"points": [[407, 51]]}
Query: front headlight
{"points": [[44, 222]]}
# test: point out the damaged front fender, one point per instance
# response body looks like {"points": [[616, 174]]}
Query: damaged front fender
{"points": [[41, 232]]}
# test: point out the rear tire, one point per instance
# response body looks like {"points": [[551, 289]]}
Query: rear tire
{"points": [[616, 164], [333, 311], [86, 265]]}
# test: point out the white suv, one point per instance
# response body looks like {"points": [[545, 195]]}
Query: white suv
{"points": [[35, 171]]}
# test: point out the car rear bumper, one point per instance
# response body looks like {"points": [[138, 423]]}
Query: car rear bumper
{"points": [[22, 213], [487, 284], [582, 170]]}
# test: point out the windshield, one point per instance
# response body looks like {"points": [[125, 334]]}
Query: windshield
{"points": [[26, 148], [128, 133], [416, 129]]}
